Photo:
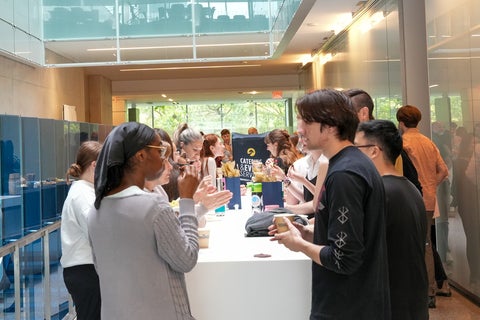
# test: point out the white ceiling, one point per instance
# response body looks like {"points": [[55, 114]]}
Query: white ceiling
{"points": [[312, 32]]}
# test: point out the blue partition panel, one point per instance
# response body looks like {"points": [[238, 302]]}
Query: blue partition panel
{"points": [[31, 168], [11, 191]]}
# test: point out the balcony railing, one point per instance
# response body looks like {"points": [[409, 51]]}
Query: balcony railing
{"points": [[32, 282]]}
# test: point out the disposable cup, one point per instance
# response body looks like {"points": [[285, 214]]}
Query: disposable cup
{"points": [[203, 237], [280, 224]]}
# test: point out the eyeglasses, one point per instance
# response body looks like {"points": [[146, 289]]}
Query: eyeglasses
{"points": [[367, 146], [163, 150]]}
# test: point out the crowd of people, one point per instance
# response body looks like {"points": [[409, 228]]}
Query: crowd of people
{"points": [[369, 189]]}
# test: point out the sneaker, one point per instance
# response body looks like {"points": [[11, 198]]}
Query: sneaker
{"points": [[444, 290], [431, 302]]}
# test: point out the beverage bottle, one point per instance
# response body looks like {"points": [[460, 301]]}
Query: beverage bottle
{"points": [[257, 205], [220, 211]]}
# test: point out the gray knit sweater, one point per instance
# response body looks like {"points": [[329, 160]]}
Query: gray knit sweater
{"points": [[141, 251]]}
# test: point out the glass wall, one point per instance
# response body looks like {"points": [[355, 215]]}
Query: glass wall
{"points": [[21, 30], [367, 55], [453, 31], [35, 154]]}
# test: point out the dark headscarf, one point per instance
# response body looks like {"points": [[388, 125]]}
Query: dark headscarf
{"points": [[121, 144]]}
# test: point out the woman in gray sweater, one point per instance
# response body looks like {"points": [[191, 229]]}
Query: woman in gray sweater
{"points": [[141, 249]]}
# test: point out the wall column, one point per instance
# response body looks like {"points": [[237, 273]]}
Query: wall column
{"points": [[99, 100], [414, 59]]}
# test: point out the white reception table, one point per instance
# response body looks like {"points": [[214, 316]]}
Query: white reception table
{"points": [[229, 283]]}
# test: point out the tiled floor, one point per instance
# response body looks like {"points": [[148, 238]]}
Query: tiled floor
{"points": [[456, 307]]}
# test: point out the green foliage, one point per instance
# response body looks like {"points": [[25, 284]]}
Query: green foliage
{"points": [[386, 108], [213, 117]]}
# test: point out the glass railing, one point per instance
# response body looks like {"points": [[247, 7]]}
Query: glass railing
{"points": [[31, 282], [114, 31], [84, 20], [104, 32]]}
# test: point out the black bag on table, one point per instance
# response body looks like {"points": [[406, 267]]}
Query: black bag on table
{"points": [[257, 224]]}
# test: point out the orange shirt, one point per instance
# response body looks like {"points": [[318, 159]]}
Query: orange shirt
{"points": [[430, 166]]}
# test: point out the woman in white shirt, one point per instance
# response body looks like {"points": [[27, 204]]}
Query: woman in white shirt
{"points": [[79, 273], [212, 147]]}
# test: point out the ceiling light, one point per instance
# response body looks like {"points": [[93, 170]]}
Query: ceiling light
{"points": [[324, 58], [343, 20], [305, 59], [182, 46], [249, 92], [192, 67], [374, 19], [164, 95]]}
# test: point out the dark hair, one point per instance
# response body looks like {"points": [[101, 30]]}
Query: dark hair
{"points": [[409, 115], [285, 150], [461, 131], [86, 154], [171, 188], [329, 107], [165, 137], [360, 99], [118, 156], [384, 134], [224, 131]]}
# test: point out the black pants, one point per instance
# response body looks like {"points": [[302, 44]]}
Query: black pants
{"points": [[440, 274], [83, 285]]}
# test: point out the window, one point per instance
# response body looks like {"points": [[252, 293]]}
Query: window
{"points": [[213, 117]]}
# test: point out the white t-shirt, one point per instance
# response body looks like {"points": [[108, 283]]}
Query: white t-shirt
{"points": [[76, 249]]}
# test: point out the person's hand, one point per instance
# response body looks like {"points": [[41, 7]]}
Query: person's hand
{"points": [[205, 187], [214, 200], [294, 175], [292, 239], [188, 182], [278, 173], [272, 229]]}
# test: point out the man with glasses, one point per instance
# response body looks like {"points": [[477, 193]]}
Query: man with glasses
{"points": [[347, 244], [363, 105], [406, 222]]}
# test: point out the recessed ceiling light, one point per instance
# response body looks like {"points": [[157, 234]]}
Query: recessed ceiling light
{"points": [[249, 92], [192, 67]]}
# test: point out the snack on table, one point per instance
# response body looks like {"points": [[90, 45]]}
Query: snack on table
{"points": [[228, 169]]}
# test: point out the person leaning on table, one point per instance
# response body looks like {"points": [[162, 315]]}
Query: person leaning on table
{"points": [[348, 243], [141, 249]]}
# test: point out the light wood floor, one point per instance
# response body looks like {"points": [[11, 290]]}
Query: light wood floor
{"points": [[456, 307]]}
